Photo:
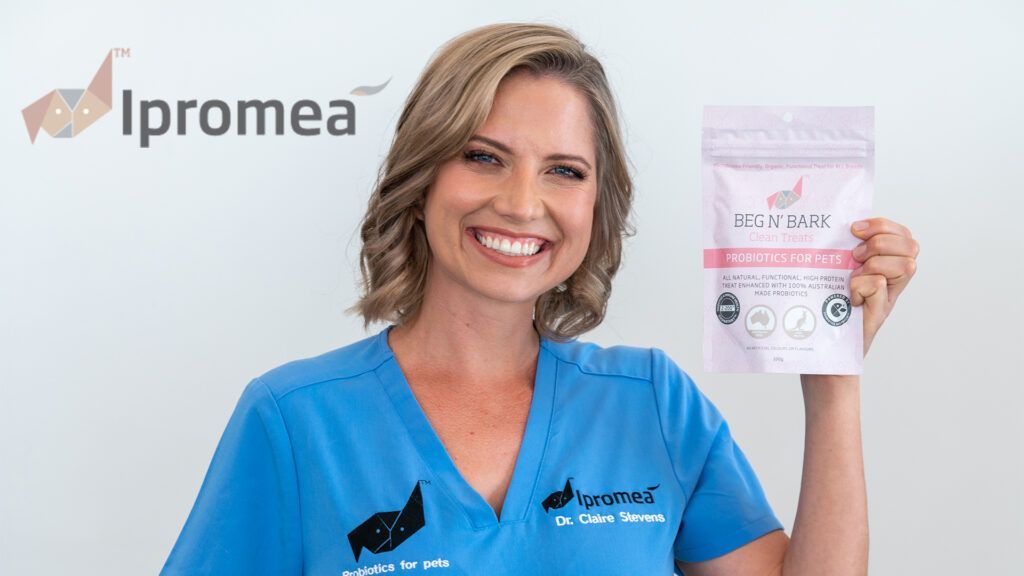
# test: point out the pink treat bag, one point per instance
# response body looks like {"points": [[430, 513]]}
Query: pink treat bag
{"points": [[781, 188]]}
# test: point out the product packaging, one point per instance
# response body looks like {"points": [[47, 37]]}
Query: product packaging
{"points": [[781, 188]]}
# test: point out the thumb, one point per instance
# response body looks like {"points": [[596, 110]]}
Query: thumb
{"points": [[871, 291]]}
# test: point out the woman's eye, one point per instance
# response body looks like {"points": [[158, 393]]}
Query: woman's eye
{"points": [[572, 172], [476, 155], [473, 155]]}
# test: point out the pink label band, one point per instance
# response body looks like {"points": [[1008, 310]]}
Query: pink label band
{"points": [[779, 258]]}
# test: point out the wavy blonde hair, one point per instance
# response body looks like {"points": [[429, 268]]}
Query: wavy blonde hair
{"points": [[451, 99]]}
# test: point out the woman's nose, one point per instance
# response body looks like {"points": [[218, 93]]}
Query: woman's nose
{"points": [[520, 196]]}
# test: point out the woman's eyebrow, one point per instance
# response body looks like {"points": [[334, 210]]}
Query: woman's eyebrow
{"points": [[508, 150]]}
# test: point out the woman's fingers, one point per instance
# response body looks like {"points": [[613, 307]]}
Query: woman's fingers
{"points": [[886, 244], [897, 271], [888, 250], [888, 256], [880, 226]]}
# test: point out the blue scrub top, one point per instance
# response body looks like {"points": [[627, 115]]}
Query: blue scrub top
{"points": [[328, 466]]}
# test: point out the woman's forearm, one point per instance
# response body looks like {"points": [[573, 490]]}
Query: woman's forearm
{"points": [[830, 533]]}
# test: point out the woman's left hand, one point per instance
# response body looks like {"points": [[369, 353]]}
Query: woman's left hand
{"points": [[888, 256]]}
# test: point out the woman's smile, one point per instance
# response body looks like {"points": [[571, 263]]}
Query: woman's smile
{"points": [[509, 251]]}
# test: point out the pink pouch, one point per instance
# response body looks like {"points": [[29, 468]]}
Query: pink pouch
{"points": [[781, 188]]}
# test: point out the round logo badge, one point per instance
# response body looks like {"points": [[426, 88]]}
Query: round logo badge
{"points": [[836, 309], [799, 322], [760, 321], [727, 307]]}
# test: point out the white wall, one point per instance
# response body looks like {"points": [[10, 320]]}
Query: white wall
{"points": [[140, 289]]}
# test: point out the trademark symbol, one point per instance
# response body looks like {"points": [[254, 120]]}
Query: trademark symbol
{"points": [[122, 52]]}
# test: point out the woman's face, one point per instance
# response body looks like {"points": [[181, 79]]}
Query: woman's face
{"points": [[526, 179]]}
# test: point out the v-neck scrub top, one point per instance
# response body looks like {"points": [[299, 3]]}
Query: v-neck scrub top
{"points": [[328, 466]]}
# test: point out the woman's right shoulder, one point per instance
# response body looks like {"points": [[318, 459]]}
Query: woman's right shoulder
{"points": [[345, 363]]}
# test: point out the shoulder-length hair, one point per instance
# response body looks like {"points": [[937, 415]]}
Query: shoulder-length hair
{"points": [[451, 99]]}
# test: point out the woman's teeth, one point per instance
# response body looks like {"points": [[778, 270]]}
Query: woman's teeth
{"points": [[507, 247]]}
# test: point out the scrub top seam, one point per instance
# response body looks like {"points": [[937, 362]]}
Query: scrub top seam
{"points": [[555, 353], [657, 405], [547, 435], [769, 518], [664, 440], [389, 356], [295, 466], [544, 448], [610, 374], [419, 456], [327, 380]]}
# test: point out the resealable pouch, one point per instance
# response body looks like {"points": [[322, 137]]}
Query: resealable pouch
{"points": [[781, 188]]}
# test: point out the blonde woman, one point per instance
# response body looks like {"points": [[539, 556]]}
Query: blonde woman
{"points": [[475, 434]]}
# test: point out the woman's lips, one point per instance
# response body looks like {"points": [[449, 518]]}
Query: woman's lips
{"points": [[512, 236], [505, 260]]}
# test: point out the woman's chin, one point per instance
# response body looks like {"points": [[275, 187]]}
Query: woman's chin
{"points": [[511, 293]]}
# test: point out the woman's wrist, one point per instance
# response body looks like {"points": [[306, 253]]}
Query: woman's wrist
{"points": [[826, 390]]}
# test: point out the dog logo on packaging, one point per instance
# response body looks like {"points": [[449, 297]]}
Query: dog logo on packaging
{"points": [[786, 198]]}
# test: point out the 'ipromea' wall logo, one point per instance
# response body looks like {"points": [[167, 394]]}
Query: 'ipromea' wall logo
{"points": [[64, 112]]}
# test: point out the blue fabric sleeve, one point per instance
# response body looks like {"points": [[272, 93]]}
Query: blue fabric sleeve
{"points": [[725, 504], [245, 519]]}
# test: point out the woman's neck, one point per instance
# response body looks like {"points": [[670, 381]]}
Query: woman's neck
{"points": [[469, 335]]}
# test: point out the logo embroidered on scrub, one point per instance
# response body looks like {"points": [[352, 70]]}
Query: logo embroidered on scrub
{"points": [[385, 531], [562, 497]]}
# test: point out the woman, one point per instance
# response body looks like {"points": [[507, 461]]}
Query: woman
{"points": [[475, 434]]}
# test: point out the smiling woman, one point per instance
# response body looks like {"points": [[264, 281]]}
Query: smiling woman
{"points": [[476, 429], [555, 115]]}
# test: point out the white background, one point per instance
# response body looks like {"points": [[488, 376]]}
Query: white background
{"points": [[141, 289]]}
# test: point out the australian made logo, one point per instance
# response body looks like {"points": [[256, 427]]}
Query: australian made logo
{"points": [[66, 112], [565, 496]]}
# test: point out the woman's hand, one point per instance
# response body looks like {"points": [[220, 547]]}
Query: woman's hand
{"points": [[888, 256]]}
